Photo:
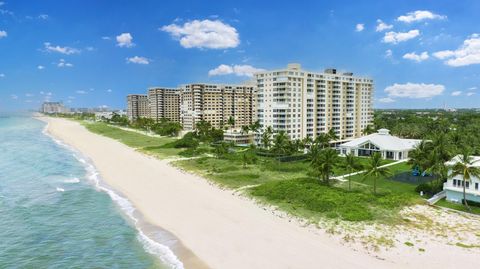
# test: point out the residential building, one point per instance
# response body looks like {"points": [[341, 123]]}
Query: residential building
{"points": [[54, 107], [389, 146], [164, 103], [216, 103], [137, 106], [304, 103], [238, 137], [454, 185]]}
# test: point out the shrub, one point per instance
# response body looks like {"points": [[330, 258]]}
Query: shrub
{"points": [[425, 187]]}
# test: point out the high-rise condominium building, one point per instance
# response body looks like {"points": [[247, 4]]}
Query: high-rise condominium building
{"points": [[216, 103], [306, 103], [164, 103], [53, 107], [137, 106]]}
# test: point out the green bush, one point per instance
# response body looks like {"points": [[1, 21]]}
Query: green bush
{"points": [[425, 187]]}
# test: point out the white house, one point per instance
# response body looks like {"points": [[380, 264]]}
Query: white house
{"points": [[454, 186], [238, 137], [390, 147]]}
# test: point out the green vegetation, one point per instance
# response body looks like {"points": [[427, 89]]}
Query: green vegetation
{"points": [[306, 197], [459, 207], [158, 146]]}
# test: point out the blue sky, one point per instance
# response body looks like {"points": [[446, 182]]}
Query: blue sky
{"points": [[421, 54]]}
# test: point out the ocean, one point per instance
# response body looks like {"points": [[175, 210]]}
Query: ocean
{"points": [[55, 212]]}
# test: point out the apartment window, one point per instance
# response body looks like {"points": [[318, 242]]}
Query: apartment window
{"points": [[454, 182], [476, 186], [467, 184]]}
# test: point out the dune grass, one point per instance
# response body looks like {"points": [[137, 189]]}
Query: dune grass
{"points": [[158, 146], [459, 207]]}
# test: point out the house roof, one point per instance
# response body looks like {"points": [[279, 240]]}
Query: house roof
{"points": [[385, 141], [454, 160]]}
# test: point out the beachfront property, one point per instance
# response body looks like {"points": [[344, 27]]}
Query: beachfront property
{"points": [[216, 103], [53, 107], [454, 186], [389, 146], [137, 106], [304, 103], [237, 137], [164, 103]]}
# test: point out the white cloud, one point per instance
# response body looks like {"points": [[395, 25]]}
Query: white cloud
{"points": [[416, 57], [359, 27], [63, 50], [239, 70], [138, 60], [109, 90], [470, 93], [472, 88], [81, 92], [14, 97], [386, 100], [396, 37], [388, 53], [456, 93], [40, 67], [125, 40], [381, 26], [420, 15], [3, 34], [106, 38], [43, 16], [2, 75], [467, 54], [63, 63], [204, 34], [414, 90]]}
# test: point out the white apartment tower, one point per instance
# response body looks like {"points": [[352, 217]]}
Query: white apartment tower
{"points": [[216, 103], [306, 103], [137, 106], [164, 103]]}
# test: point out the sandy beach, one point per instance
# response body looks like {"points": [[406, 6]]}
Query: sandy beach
{"points": [[221, 229]]}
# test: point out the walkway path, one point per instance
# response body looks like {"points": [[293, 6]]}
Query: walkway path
{"points": [[342, 177]]}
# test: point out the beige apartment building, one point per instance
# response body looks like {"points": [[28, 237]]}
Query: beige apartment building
{"points": [[216, 103], [304, 103], [164, 103], [137, 106]]}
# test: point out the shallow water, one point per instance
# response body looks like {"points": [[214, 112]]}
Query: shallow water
{"points": [[53, 214]]}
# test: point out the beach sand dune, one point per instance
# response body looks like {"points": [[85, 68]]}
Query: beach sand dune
{"points": [[223, 230]]}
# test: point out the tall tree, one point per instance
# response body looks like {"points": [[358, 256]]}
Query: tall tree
{"points": [[466, 168], [245, 129], [266, 137], [323, 163], [374, 170], [254, 127], [332, 134], [231, 122], [280, 143], [323, 140], [351, 165]]}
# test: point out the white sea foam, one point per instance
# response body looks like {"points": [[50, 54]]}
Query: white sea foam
{"points": [[165, 254], [60, 189], [72, 180]]}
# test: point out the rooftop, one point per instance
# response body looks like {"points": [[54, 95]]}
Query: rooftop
{"points": [[385, 141]]}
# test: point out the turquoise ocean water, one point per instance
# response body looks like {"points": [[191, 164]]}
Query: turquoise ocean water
{"points": [[54, 213]]}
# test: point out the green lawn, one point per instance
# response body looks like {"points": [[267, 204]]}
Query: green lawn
{"points": [[158, 146], [459, 207]]}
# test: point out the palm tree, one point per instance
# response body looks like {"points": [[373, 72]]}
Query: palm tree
{"points": [[280, 143], [368, 130], [323, 140], [307, 142], [418, 157], [332, 134], [351, 164], [266, 136], [374, 169], [323, 162], [245, 129], [465, 168], [231, 122], [254, 127]]}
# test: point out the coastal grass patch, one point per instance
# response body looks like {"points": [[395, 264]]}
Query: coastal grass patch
{"points": [[230, 171], [306, 197], [158, 146], [457, 206]]}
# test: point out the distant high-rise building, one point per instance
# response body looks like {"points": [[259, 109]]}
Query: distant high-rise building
{"points": [[303, 103], [137, 106], [216, 103], [53, 107], [164, 103]]}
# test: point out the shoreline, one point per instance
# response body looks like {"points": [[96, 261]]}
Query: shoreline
{"points": [[154, 238], [222, 229]]}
